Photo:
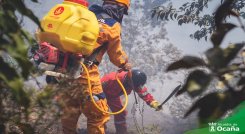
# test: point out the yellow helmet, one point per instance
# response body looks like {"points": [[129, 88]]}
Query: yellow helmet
{"points": [[125, 2]]}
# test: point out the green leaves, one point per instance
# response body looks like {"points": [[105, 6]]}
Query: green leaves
{"points": [[241, 81], [15, 100], [7, 73], [186, 62], [20, 54], [196, 83], [231, 52], [214, 105], [8, 23], [222, 12], [164, 13], [22, 9], [211, 107], [223, 64], [153, 13], [26, 128], [215, 58], [219, 35], [14, 40], [193, 12], [219, 58], [13, 83], [19, 95], [21, 107], [45, 97]]}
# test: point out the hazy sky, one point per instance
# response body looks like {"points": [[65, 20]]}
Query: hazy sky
{"points": [[178, 35]]}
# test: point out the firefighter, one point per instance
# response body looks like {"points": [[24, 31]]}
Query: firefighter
{"points": [[113, 92], [77, 100]]}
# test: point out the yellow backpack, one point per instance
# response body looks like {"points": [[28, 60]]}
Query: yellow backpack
{"points": [[70, 27]]}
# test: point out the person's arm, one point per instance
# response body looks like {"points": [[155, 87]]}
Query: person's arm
{"points": [[114, 49], [143, 94], [148, 98]]}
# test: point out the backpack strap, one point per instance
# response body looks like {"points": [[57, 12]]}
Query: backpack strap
{"points": [[106, 19], [91, 60], [102, 16]]}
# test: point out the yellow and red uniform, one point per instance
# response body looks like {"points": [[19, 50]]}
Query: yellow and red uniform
{"points": [[113, 92], [110, 36]]}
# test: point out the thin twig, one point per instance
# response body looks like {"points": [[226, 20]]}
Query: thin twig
{"points": [[240, 22]]}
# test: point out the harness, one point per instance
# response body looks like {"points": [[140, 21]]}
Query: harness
{"points": [[106, 19], [91, 60]]}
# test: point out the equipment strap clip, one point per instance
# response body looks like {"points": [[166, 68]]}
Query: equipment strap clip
{"points": [[88, 63]]}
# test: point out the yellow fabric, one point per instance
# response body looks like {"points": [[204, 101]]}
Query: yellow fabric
{"points": [[126, 2], [154, 104], [93, 100], [75, 102], [112, 37], [96, 119], [94, 78], [71, 27]]}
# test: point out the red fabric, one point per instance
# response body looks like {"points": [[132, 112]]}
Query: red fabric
{"points": [[148, 98], [110, 86], [115, 105], [113, 92], [82, 2]]}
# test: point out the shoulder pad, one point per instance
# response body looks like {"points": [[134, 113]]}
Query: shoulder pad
{"points": [[109, 21]]}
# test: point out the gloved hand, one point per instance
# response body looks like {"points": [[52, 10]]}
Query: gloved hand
{"points": [[127, 67], [154, 104]]}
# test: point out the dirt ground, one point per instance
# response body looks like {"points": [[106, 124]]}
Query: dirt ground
{"points": [[153, 122]]}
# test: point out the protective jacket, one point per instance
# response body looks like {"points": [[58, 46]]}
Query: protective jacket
{"points": [[109, 41], [113, 92], [112, 89]]}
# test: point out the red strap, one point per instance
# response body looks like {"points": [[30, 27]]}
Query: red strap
{"points": [[65, 61], [82, 2]]}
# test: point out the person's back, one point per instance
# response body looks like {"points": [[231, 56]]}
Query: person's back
{"points": [[113, 93], [111, 87], [77, 98], [109, 41]]}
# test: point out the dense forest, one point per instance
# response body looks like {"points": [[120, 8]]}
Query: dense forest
{"points": [[213, 83]]}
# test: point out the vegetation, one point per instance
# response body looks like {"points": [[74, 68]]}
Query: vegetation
{"points": [[25, 110], [21, 110], [218, 65], [145, 43], [193, 13]]}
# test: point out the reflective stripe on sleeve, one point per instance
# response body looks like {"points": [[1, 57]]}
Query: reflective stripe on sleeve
{"points": [[143, 94]]}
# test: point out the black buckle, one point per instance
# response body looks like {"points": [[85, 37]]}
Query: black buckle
{"points": [[88, 63], [97, 97]]}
